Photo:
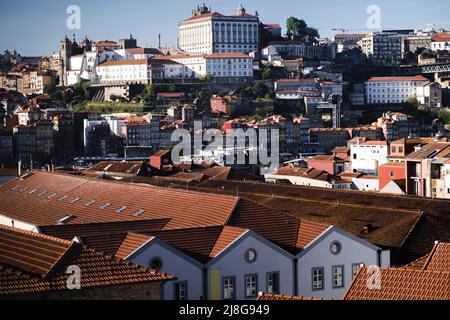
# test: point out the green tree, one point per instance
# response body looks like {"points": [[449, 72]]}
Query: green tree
{"points": [[267, 73], [260, 89], [297, 29]]}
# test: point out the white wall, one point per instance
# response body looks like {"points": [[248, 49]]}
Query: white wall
{"points": [[369, 158], [353, 252], [367, 184], [172, 263], [233, 264], [10, 222]]}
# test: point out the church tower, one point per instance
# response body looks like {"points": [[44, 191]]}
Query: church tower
{"points": [[65, 52]]}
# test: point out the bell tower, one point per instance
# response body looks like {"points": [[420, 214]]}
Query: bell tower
{"points": [[65, 52]]}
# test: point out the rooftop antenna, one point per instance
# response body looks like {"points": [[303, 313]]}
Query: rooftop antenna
{"points": [[159, 40]]}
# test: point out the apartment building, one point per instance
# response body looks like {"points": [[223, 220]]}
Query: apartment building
{"points": [[396, 125], [425, 171], [383, 48], [441, 42], [429, 95], [367, 157]]}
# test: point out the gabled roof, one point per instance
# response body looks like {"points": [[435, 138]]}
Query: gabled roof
{"points": [[386, 79], [131, 243], [283, 297], [124, 62], [31, 253], [429, 150], [46, 198], [80, 197], [401, 284], [205, 15], [439, 258], [144, 51], [127, 167], [35, 263]]}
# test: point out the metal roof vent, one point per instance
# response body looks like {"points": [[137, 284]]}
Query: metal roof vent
{"points": [[138, 213], [105, 206], [121, 209], [66, 219]]}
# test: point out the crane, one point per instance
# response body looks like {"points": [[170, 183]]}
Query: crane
{"points": [[439, 24], [343, 30]]}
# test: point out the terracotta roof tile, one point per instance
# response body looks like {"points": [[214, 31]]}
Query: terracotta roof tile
{"points": [[226, 237], [37, 254], [414, 78], [97, 270], [401, 284], [79, 197], [282, 297], [439, 259], [124, 62], [131, 243], [128, 167]]}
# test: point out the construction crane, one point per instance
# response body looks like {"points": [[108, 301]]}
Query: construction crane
{"points": [[439, 24], [350, 30]]}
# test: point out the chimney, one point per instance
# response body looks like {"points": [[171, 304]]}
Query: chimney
{"points": [[19, 168], [368, 228]]}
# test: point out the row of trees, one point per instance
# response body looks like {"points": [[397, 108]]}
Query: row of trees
{"points": [[70, 96]]}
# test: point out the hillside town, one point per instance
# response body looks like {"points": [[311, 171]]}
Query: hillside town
{"points": [[252, 161]]}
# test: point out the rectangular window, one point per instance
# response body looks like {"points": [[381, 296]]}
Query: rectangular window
{"points": [[317, 279], [229, 286], [181, 291], [338, 276], [273, 283], [355, 269], [251, 286]]}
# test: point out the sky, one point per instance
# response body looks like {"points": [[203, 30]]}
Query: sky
{"points": [[35, 28]]}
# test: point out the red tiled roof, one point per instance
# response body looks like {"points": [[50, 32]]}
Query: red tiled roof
{"points": [[131, 243], [350, 35], [375, 143], [272, 26], [205, 15], [227, 55], [70, 231], [441, 37], [401, 284], [106, 44], [35, 254], [282, 229], [282, 297], [21, 278], [183, 208], [124, 62], [226, 237], [201, 244], [413, 78], [129, 167], [296, 81], [144, 51], [439, 259]]}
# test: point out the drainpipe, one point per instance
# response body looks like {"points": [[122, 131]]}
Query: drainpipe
{"points": [[19, 168], [295, 277], [379, 252], [205, 284]]}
